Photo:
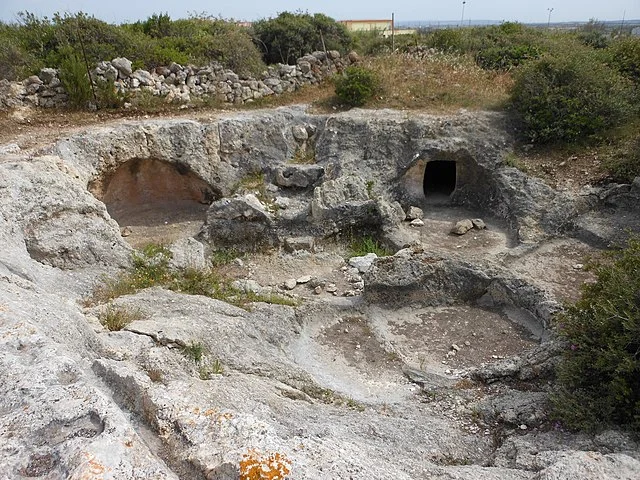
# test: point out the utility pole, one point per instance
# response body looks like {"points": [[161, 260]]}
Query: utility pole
{"points": [[393, 32], [549, 19], [462, 18]]}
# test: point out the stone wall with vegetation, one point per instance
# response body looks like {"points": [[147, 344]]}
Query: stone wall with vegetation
{"points": [[176, 83]]}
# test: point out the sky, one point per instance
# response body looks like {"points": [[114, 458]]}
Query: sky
{"points": [[119, 11]]}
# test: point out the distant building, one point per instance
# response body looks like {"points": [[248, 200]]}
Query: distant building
{"points": [[385, 27], [244, 24]]}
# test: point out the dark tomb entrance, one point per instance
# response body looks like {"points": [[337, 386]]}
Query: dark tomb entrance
{"points": [[439, 179]]}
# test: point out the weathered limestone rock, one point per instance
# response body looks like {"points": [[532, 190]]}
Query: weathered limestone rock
{"points": [[462, 227], [414, 275], [62, 224], [292, 244], [344, 202], [591, 466], [300, 176], [415, 213], [239, 222], [363, 264], [187, 253], [123, 66], [47, 74]]}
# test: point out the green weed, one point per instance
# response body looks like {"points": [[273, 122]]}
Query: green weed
{"points": [[115, 318]]}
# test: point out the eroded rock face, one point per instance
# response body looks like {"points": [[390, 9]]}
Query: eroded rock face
{"points": [[239, 222], [61, 223], [77, 400]]}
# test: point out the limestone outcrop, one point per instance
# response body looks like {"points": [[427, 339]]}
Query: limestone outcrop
{"points": [[333, 387]]}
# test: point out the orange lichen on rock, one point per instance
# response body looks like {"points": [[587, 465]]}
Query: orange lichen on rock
{"points": [[258, 466]]}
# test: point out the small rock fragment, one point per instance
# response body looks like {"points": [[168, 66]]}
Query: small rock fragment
{"points": [[126, 231], [417, 223], [479, 223], [304, 279], [462, 227], [290, 284], [318, 290], [414, 213]]}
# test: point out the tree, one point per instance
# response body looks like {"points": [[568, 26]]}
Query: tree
{"points": [[291, 35]]}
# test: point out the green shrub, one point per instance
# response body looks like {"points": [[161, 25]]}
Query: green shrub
{"points": [[75, 80], [360, 246], [356, 86], [593, 34], [624, 165], [109, 96], [194, 351], [599, 375], [291, 35], [506, 58], [446, 39], [565, 98], [625, 56]]}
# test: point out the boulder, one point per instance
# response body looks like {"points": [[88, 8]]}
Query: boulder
{"points": [[363, 264], [124, 67], [187, 253], [48, 74], [413, 275], [144, 77], [462, 227], [239, 222], [415, 213], [298, 176], [343, 203]]}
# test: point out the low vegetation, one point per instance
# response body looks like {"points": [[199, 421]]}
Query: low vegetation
{"points": [[151, 268], [599, 376], [361, 245], [356, 86], [115, 318]]}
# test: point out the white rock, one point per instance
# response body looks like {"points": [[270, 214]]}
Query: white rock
{"points": [[417, 223], [363, 264], [290, 284], [304, 279]]}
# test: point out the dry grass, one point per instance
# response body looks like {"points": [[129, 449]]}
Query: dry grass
{"points": [[441, 83]]}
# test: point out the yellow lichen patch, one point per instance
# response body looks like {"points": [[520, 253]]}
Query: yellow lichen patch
{"points": [[264, 466]]}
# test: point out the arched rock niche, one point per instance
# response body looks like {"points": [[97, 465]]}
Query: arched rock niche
{"points": [[148, 192], [441, 177]]}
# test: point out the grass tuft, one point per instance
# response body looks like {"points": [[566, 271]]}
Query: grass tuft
{"points": [[115, 318], [360, 246]]}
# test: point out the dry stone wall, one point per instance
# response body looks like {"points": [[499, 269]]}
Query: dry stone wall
{"points": [[180, 84]]}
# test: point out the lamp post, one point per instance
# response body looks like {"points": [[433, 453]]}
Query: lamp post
{"points": [[549, 19], [462, 18]]}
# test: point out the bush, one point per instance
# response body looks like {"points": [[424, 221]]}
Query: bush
{"points": [[599, 375], [75, 80], [356, 86], [564, 98], [506, 58], [625, 56], [624, 165], [594, 34], [291, 35]]}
